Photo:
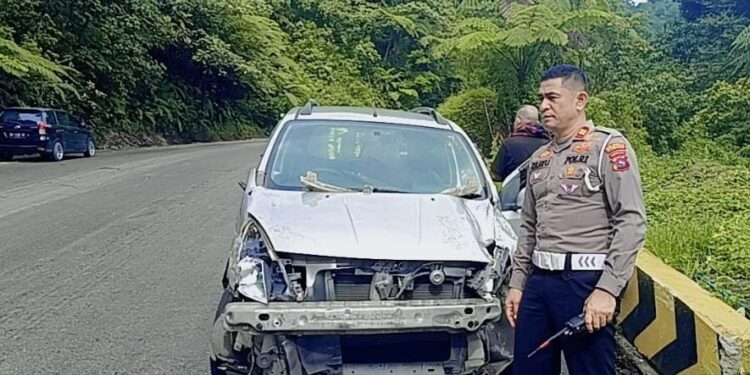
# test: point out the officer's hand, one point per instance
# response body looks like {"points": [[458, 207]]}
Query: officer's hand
{"points": [[512, 304], [599, 310]]}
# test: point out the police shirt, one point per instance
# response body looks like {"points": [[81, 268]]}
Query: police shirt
{"points": [[574, 205]]}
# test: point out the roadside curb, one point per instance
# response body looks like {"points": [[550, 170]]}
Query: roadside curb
{"points": [[678, 326]]}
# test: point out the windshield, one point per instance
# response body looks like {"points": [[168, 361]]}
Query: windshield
{"points": [[21, 117], [341, 156]]}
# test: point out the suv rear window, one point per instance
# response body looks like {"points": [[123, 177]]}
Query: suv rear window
{"points": [[21, 117]]}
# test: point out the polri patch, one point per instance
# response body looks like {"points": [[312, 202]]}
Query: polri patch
{"points": [[577, 159]]}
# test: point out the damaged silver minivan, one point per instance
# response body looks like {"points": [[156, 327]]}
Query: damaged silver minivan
{"points": [[369, 241]]}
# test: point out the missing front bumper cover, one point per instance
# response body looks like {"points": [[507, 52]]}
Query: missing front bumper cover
{"points": [[363, 317]]}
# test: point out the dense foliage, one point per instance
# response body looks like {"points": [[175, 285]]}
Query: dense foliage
{"points": [[671, 74]]}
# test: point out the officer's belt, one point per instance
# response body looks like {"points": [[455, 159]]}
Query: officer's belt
{"points": [[578, 262]]}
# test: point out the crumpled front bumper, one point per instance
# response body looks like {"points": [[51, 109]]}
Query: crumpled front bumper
{"points": [[359, 317]]}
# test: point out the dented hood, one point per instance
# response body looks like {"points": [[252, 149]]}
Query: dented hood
{"points": [[375, 226]]}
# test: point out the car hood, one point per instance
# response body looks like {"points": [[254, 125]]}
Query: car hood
{"points": [[385, 226]]}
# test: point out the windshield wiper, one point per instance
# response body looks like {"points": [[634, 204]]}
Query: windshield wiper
{"points": [[310, 181], [385, 190], [470, 196], [469, 191]]}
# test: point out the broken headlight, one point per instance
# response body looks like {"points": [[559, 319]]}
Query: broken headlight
{"points": [[257, 272], [252, 279]]}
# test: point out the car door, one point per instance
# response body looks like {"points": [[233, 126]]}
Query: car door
{"points": [[69, 132], [81, 133]]}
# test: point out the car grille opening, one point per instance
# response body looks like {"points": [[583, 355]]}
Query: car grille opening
{"points": [[350, 287], [419, 347]]}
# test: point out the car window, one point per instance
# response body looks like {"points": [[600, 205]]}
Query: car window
{"points": [[64, 119], [385, 156], [51, 118], [21, 116], [513, 186]]}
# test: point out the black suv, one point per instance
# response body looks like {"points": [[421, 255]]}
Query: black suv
{"points": [[50, 132]]}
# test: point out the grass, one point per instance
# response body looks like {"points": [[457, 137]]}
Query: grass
{"points": [[699, 222]]}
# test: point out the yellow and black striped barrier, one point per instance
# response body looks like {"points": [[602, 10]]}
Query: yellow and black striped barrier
{"points": [[678, 326]]}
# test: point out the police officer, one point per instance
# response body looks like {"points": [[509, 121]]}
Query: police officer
{"points": [[583, 222]]}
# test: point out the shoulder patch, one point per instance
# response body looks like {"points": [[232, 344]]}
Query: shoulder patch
{"points": [[618, 155]]}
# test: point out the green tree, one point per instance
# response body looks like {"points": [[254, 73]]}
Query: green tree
{"points": [[474, 112]]}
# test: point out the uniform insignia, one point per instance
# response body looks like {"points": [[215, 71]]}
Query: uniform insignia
{"points": [[536, 176], [570, 171], [577, 159], [618, 156], [539, 164], [546, 154], [620, 164], [569, 188], [615, 147], [582, 148], [583, 132]]}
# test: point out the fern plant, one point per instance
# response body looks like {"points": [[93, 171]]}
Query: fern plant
{"points": [[21, 63]]}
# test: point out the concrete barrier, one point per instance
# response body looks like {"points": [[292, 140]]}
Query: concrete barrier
{"points": [[678, 326]]}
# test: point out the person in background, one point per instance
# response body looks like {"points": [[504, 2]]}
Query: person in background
{"points": [[527, 137]]}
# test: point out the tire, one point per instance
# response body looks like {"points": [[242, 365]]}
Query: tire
{"points": [[226, 298], [6, 156], [58, 152], [90, 148]]}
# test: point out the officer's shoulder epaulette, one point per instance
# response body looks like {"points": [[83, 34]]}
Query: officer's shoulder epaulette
{"points": [[608, 131]]}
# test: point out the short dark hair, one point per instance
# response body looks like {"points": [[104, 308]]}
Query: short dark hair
{"points": [[569, 74]]}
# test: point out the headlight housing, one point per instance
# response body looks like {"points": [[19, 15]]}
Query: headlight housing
{"points": [[252, 282], [251, 264]]}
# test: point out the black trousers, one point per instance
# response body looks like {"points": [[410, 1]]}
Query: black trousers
{"points": [[551, 298]]}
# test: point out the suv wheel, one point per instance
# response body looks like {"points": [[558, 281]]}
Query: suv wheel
{"points": [[6, 156], [90, 148], [58, 153]]}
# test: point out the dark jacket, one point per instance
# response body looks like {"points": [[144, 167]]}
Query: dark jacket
{"points": [[517, 148]]}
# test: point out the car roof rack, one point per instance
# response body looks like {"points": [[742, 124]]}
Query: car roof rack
{"points": [[307, 109], [431, 112]]}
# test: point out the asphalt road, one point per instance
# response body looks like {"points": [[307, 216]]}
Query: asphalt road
{"points": [[112, 265]]}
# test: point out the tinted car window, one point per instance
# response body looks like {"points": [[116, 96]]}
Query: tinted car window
{"points": [[64, 119], [21, 117], [51, 119]]}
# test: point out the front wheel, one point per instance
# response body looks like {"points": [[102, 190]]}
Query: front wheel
{"points": [[58, 153], [6, 156], [241, 365]]}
